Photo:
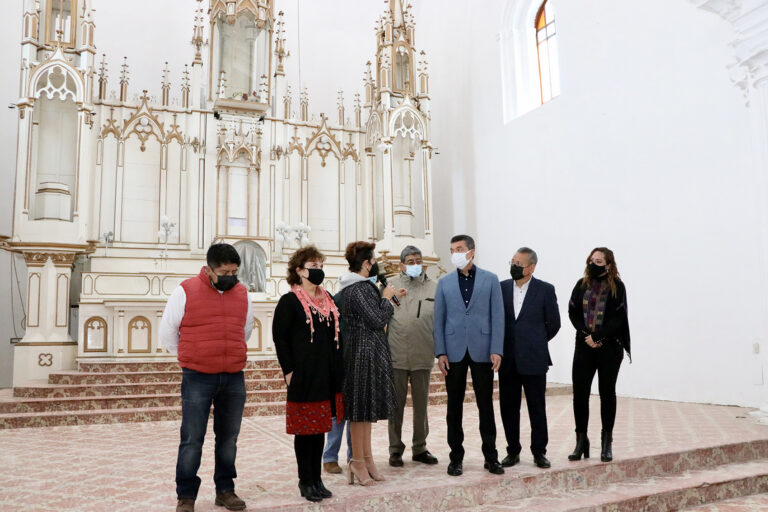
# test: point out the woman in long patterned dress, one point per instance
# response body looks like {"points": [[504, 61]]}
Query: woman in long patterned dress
{"points": [[368, 384], [306, 335]]}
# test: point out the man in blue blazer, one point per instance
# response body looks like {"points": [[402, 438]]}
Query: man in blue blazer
{"points": [[469, 335], [531, 320]]}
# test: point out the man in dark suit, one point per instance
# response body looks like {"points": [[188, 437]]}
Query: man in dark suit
{"points": [[531, 320]]}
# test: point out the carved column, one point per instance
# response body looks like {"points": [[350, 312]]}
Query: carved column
{"points": [[389, 203], [47, 345]]}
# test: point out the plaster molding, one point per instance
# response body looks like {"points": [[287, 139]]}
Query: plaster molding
{"points": [[749, 19]]}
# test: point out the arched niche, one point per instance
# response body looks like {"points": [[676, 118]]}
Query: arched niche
{"points": [[95, 335], [139, 335], [253, 266]]}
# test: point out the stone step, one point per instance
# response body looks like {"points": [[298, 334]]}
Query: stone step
{"points": [[144, 400], [671, 492], [657, 483], [134, 388], [139, 388], [754, 503], [159, 376], [156, 366], [159, 408]]}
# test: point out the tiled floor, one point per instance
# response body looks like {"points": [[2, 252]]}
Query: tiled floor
{"points": [[130, 467]]}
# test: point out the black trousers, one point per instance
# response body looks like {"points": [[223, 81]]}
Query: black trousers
{"points": [[511, 384], [605, 361], [456, 386], [309, 457]]}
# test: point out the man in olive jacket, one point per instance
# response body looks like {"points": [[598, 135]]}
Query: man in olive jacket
{"points": [[412, 344]]}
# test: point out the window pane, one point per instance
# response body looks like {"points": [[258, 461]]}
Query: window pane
{"points": [[549, 12], [541, 18], [541, 35], [554, 65], [546, 91]]}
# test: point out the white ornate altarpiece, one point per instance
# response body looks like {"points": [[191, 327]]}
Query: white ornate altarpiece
{"points": [[119, 194]]}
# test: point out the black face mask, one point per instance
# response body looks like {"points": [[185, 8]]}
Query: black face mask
{"points": [[595, 270], [374, 270], [225, 283], [316, 276], [516, 271]]}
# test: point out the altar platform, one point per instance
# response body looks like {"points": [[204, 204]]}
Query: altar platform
{"points": [[668, 456]]}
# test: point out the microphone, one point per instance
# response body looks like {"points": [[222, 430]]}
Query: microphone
{"points": [[382, 278]]}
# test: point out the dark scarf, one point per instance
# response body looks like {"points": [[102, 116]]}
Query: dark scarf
{"points": [[594, 302]]}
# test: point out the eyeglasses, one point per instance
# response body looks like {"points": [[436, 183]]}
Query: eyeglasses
{"points": [[512, 262]]}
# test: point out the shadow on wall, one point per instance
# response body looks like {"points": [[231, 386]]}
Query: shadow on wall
{"points": [[14, 304]]}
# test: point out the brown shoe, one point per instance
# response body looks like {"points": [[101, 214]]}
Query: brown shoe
{"points": [[332, 467], [185, 505], [230, 500]]}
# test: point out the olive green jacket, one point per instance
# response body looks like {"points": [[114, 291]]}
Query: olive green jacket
{"points": [[410, 332]]}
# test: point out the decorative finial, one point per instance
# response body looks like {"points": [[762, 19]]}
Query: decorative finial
{"points": [[124, 75], [197, 33]]}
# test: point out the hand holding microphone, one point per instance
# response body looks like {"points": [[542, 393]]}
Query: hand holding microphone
{"points": [[389, 291]]}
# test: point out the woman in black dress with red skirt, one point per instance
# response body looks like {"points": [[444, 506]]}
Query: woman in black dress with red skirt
{"points": [[306, 336]]}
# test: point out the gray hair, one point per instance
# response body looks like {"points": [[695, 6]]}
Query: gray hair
{"points": [[532, 257], [409, 250]]}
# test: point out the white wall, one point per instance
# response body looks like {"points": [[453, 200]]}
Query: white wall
{"points": [[646, 151], [10, 56]]}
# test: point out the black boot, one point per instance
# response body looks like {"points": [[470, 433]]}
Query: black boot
{"points": [[582, 447], [321, 490], [606, 453], [309, 492]]}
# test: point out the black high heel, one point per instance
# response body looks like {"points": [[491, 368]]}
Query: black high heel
{"points": [[582, 447]]}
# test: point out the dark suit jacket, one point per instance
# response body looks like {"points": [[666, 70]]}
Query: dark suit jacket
{"points": [[526, 338]]}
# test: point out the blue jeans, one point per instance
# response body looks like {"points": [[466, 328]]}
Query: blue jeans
{"points": [[226, 392], [333, 442]]}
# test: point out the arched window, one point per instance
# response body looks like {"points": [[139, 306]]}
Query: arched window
{"points": [[546, 47], [529, 56], [253, 266]]}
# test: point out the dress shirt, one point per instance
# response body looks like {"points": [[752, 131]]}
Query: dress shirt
{"points": [[520, 292], [467, 284], [174, 312]]}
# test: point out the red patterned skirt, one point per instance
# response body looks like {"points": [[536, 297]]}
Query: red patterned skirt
{"points": [[307, 418]]}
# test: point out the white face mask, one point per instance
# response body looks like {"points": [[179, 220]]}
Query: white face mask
{"points": [[459, 260]]}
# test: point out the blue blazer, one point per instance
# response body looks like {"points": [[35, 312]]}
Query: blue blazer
{"points": [[526, 339], [478, 327]]}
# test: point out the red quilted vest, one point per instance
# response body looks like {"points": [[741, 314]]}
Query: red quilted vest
{"points": [[212, 331]]}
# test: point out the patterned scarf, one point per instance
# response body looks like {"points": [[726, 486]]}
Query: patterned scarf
{"points": [[321, 304], [594, 302]]}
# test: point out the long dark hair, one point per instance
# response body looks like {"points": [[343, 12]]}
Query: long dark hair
{"points": [[613, 272]]}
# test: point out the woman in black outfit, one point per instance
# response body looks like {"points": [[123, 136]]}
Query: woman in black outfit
{"points": [[306, 335], [598, 311]]}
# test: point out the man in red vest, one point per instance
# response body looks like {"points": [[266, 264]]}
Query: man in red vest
{"points": [[207, 321]]}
